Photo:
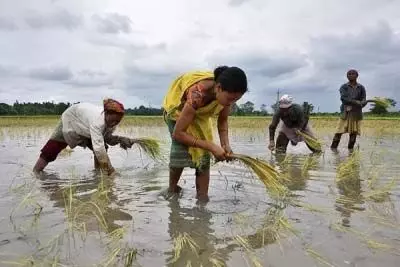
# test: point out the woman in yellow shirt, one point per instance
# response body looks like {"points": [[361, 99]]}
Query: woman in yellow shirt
{"points": [[191, 102]]}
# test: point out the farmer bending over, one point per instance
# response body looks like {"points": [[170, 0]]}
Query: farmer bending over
{"points": [[192, 100], [86, 125], [293, 118]]}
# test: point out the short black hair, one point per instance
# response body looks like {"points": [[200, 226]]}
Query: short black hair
{"points": [[231, 79]]}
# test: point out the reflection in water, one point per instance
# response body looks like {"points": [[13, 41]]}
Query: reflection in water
{"points": [[248, 233], [349, 184], [295, 169], [96, 191], [196, 222]]}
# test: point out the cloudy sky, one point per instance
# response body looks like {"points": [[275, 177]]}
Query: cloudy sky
{"points": [[85, 50]]}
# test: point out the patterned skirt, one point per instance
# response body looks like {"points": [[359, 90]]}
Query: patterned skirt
{"points": [[349, 125], [179, 156]]}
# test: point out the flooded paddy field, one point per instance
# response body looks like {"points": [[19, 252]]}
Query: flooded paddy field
{"points": [[344, 210]]}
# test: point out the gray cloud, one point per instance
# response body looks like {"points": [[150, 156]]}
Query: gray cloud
{"points": [[59, 19], [89, 78], [7, 24], [140, 66], [7, 71], [112, 23], [149, 84], [374, 52], [373, 47], [237, 2], [64, 75], [51, 73], [260, 63], [133, 48]]}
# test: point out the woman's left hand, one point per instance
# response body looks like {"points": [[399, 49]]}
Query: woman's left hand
{"points": [[228, 151]]}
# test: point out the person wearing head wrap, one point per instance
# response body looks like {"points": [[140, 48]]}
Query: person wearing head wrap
{"points": [[86, 125], [353, 97], [293, 118], [192, 100]]}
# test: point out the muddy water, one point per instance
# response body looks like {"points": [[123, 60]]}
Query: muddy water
{"points": [[34, 227]]}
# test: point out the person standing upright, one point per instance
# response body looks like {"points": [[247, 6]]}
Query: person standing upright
{"points": [[353, 97]]}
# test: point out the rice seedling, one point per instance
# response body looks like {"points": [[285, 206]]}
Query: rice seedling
{"points": [[383, 215], [309, 163], [150, 146], [66, 152], [312, 253], [314, 143], [364, 237], [265, 172], [216, 261], [182, 241], [381, 101], [381, 194], [243, 242], [348, 170], [117, 252]]}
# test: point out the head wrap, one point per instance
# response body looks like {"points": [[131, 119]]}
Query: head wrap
{"points": [[285, 101], [352, 71], [113, 105]]}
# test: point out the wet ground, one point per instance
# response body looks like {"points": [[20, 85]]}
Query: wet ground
{"points": [[340, 224]]}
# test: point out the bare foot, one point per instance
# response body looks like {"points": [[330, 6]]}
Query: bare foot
{"points": [[201, 198]]}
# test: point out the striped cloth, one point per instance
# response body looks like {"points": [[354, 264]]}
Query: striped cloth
{"points": [[179, 154], [349, 125]]}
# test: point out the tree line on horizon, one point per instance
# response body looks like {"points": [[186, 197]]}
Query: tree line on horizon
{"points": [[245, 109]]}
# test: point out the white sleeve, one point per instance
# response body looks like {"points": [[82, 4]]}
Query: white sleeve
{"points": [[96, 135]]}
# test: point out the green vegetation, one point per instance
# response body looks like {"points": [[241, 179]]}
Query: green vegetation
{"points": [[379, 107]]}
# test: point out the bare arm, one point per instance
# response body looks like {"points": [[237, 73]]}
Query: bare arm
{"points": [[273, 125], [364, 101], [110, 138], [185, 119], [99, 149], [223, 129]]}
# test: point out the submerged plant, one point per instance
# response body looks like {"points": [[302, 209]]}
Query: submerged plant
{"points": [[266, 173], [181, 242]]}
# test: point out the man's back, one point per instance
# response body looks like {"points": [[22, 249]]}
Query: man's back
{"points": [[80, 118]]}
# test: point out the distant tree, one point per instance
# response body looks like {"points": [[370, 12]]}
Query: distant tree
{"points": [[247, 107], [308, 107], [379, 108], [5, 109], [263, 108], [234, 109], [274, 107]]}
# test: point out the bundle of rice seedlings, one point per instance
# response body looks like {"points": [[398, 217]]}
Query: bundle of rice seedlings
{"points": [[348, 170], [265, 172], [150, 146], [311, 141], [381, 101], [182, 241]]}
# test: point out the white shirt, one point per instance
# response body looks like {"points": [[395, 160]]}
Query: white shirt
{"points": [[82, 121]]}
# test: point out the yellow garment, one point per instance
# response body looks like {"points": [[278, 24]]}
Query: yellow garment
{"points": [[201, 127]]}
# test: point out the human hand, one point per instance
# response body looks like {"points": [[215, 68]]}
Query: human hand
{"points": [[218, 152], [111, 171], [125, 142], [271, 145], [228, 152], [364, 103]]}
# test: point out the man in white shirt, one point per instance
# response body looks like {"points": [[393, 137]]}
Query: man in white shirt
{"points": [[86, 125]]}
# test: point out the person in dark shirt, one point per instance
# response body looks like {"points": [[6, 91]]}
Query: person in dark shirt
{"points": [[353, 97], [293, 118]]}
